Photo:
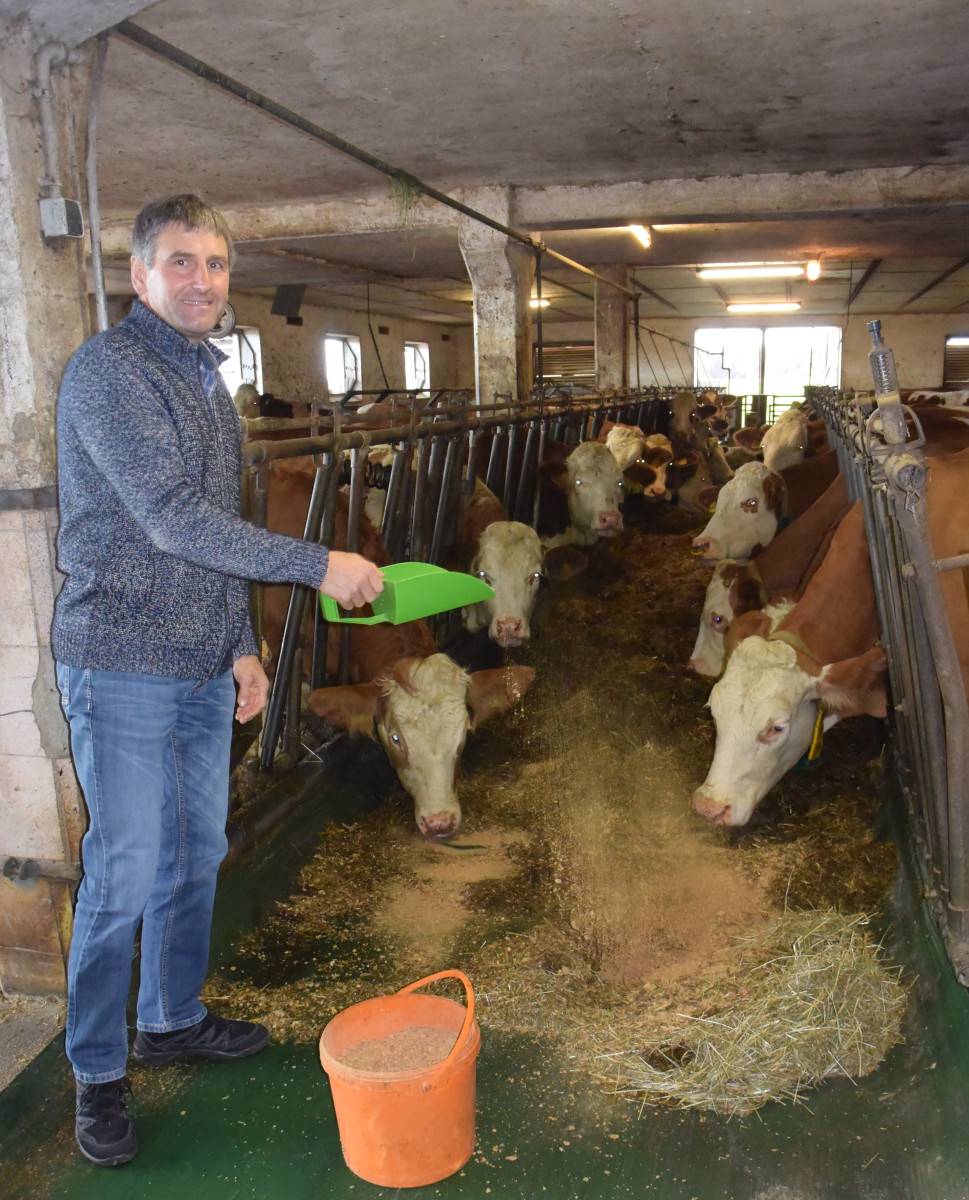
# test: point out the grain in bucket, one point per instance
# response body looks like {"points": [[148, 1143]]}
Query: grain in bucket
{"points": [[406, 1110]]}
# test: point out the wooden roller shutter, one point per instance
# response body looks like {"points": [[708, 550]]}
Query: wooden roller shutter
{"points": [[955, 369], [567, 362]]}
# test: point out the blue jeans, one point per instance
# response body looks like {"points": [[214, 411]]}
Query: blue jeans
{"points": [[152, 758]]}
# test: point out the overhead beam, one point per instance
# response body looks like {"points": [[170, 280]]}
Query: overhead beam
{"points": [[775, 196], [654, 295], [856, 290], [935, 282]]}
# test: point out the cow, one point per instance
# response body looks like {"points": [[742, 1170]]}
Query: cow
{"points": [[794, 436], [416, 701], [748, 510], [757, 501], [956, 398], [592, 482], [771, 580], [510, 558], [644, 459], [821, 665]]}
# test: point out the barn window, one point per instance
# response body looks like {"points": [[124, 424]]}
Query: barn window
{"points": [[342, 361], [417, 367], [775, 363], [955, 368], [244, 364]]}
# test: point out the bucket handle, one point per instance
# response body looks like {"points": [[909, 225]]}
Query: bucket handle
{"points": [[469, 1015]]}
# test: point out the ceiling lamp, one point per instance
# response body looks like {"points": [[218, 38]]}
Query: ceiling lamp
{"points": [[538, 303], [642, 233], [813, 270], [750, 271], [770, 306]]}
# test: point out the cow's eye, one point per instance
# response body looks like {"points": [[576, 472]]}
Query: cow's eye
{"points": [[536, 576], [578, 483], [717, 619], [395, 738], [749, 505], [483, 575]]}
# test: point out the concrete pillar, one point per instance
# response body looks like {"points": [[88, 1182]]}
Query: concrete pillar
{"points": [[43, 318], [501, 274], [612, 329]]}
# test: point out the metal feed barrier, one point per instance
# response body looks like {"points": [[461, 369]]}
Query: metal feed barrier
{"points": [[929, 712], [436, 453]]}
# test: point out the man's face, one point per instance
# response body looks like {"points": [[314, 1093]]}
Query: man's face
{"points": [[188, 283]]}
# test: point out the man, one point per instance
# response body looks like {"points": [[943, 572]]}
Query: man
{"points": [[154, 652]]}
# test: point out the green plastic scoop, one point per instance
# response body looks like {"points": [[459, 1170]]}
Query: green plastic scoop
{"points": [[413, 590]]}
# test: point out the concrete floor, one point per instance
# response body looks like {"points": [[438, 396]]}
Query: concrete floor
{"points": [[26, 1026]]}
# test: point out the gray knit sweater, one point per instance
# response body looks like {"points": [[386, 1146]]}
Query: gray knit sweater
{"points": [[156, 555]]}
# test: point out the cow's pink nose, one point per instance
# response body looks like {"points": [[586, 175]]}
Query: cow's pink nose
{"points": [[711, 809], [610, 519], [508, 630], [439, 825], [701, 547], [657, 489]]}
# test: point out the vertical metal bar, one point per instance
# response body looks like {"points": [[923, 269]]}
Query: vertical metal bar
{"points": [[291, 632], [508, 499], [494, 459], [526, 476], [417, 509], [446, 509]]}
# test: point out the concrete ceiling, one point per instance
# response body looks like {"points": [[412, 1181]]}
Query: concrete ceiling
{"points": [[744, 129]]}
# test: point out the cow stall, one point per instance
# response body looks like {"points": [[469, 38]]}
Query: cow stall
{"points": [[888, 454]]}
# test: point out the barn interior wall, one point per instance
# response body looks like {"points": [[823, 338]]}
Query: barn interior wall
{"points": [[292, 355], [917, 341]]}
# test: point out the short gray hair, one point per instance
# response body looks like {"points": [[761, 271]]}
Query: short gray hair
{"points": [[191, 212]]}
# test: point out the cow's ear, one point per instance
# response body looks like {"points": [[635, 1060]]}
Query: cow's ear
{"points": [[640, 473], [562, 563], [604, 431], [749, 624], [775, 493], [352, 707], [746, 593], [495, 691], [707, 497], [856, 686], [555, 473]]}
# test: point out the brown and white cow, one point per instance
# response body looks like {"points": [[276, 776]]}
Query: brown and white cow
{"points": [[820, 665], [592, 482], [417, 702], [644, 459], [748, 510], [771, 580], [510, 558]]}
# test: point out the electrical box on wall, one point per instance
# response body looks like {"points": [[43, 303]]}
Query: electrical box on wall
{"points": [[61, 218]]}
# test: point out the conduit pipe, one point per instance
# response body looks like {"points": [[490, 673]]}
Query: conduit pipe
{"points": [[91, 180], [51, 55], [210, 74]]}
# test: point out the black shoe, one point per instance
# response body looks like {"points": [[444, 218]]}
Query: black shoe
{"points": [[104, 1130], [212, 1037]]}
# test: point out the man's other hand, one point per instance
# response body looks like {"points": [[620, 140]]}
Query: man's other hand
{"points": [[253, 689], [351, 579]]}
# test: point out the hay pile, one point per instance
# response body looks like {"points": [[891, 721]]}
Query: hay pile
{"points": [[811, 999]]}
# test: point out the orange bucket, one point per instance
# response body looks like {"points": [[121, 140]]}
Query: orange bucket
{"points": [[405, 1128]]}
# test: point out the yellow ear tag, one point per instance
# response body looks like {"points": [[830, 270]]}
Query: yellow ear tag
{"points": [[818, 736]]}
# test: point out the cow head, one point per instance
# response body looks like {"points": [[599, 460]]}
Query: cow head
{"points": [[422, 710], [512, 561], [734, 589], [592, 481], [766, 709], [749, 507], [786, 441]]}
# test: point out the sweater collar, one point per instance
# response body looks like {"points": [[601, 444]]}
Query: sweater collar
{"points": [[173, 345]]}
